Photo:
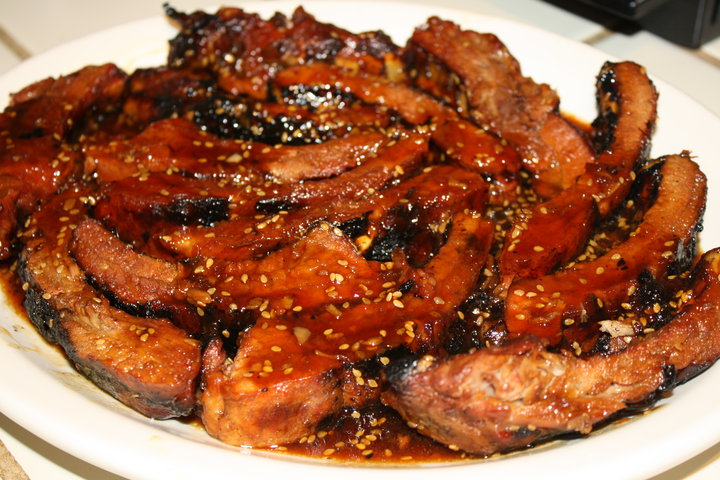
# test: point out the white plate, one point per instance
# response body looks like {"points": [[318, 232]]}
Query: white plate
{"points": [[41, 392]]}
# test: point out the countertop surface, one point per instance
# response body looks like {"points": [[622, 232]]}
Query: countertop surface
{"points": [[30, 27]]}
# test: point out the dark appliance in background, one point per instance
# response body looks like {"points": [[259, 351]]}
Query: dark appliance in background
{"points": [[686, 22]]}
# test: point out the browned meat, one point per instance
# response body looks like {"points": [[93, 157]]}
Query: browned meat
{"points": [[290, 364], [152, 94], [293, 277], [475, 149], [476, 73], [237, 238], [135, 206], [177, 145], [245, 51], [548, 236], [34, 126], [414, 106], [510, 397], [297, 116], [379, 221], [459, 139], [148, 364], [53, 107], [555, 231], [259, 230], [544, 306]]}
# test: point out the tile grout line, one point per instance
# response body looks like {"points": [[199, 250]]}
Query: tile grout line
{"points": [[714, 61], [596, 37], [14, 45]]}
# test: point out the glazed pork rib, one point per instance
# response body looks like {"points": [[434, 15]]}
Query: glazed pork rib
{"points": [[263, 230], [552, 232], [664, 241], [477, 74], [512, 396], [148, 364]]}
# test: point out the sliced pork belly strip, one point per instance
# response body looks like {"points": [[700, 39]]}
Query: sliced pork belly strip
{"points": [[627, 112], [292, 363], [414, 106], [134, 206], [475, 149], [35, 162], [148, 364], [476, 73], [542, 240], [665, 236], [55, 106], [509, 397], [178, 145], [245, 235], [323, 266], [417, 205], [462, 141], [245, 51]]}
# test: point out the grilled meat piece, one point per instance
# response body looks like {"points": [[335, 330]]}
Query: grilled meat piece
{"points": [[574, 295], [245, 51], [35, 161], [298, 116], [136, 206], [177, 145], [153, 94], [414, 106], [295, 276], [291, 364], [244, 236], [513, 396], [554, 231], [476, 73], [56, 107], [148, 364]]}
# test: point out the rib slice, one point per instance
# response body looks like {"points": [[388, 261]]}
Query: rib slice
{"points": [[553, 232], [477, 74], [178, 145], [292, 364], [38, 127], [148, 364], [246, 51], [512, 396], [666, 236]]}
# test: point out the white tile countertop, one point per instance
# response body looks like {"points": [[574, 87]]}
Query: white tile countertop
{"points": [[30, 27]]}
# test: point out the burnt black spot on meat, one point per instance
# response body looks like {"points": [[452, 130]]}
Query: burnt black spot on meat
{"points": [[39, 310], [606, 121], [314, 96], [230, 118], [325, 50], [36, 133], [402, 363], [650, 295], [273, 205], [192, 211], [355, 227], [396, 238], [228, 327]]}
